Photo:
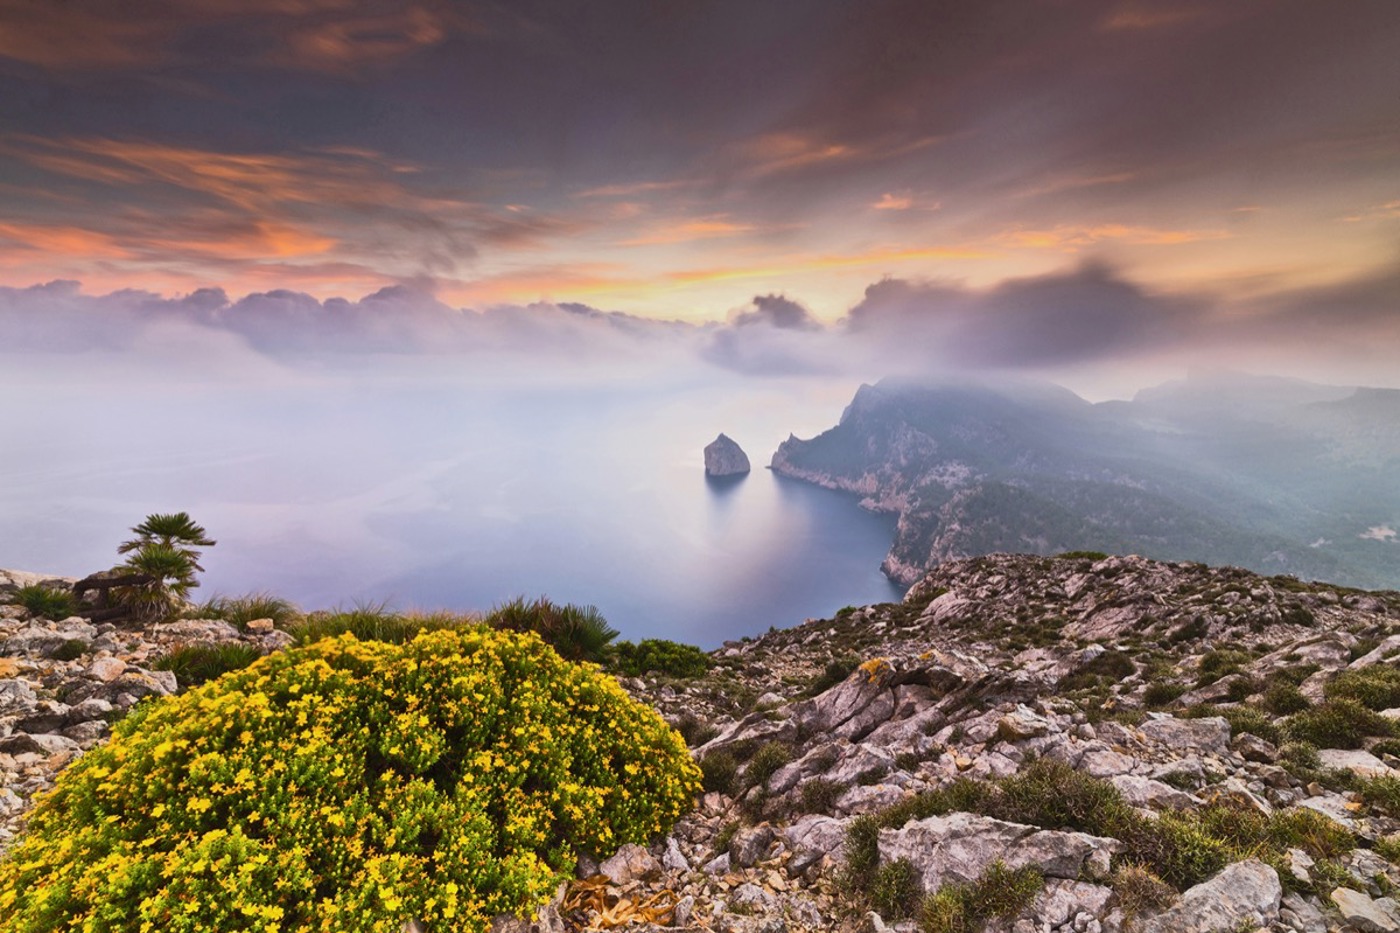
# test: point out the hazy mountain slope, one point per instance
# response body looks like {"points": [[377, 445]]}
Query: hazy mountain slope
{"points": [[1276, 475]]}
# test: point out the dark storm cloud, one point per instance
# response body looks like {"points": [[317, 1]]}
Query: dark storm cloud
{"points": [[768, 96], [777, 311], [774, 336], [1089, 314], [1020, 90], [1367, 305]]}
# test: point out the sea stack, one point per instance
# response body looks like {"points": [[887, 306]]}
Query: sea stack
{"points": [[723, 457]]}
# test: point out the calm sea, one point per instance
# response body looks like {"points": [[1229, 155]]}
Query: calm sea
{"points": [[456, 497]]}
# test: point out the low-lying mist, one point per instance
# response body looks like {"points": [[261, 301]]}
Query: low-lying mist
{"points": [[434, 483], [396, 449]]}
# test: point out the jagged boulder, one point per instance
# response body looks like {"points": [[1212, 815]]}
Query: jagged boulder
{"points": [[1367, 915], [1245, 895], [1068, 905], [960, 847], [629, 863], [41, 639], [724, 457]]}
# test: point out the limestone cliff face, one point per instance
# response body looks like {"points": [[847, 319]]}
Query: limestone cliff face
{"points": [[868, 455], [1048, 676], [724, 457], [1273, 481]]}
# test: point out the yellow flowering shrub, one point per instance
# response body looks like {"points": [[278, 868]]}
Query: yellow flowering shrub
{"points": [[350, 786]]}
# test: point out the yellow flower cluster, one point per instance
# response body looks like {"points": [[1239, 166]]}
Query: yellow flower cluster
{"points": [[350, 786], [874, 669]]}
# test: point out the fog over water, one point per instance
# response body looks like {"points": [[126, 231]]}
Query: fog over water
{"points": [[395, 448], [447, 490]]}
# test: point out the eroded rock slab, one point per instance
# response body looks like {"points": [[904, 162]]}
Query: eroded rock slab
{"points": [[959, 847], [1245, 895]]}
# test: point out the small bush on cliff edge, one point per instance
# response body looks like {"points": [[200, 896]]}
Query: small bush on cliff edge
{"points": [[350, 786], [658, 656]]}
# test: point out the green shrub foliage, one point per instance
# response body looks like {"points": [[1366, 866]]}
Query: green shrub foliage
{"points": [[166, 549], [372, 622], [240, 610], [46, 601], [659, 656], [350, 786], [965, 908], [1376, 687], [1181, 849], [1338, 723], [579, 633], [719, 773]]}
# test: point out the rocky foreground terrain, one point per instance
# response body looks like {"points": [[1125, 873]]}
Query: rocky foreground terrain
{"points": [[1081, 743]]}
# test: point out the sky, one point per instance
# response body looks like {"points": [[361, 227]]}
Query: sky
{"points": [[1086, 189]]}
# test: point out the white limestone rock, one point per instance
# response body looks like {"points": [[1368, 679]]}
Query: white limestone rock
{"points": [[1367, 915], [1244, 895], [959, 847]]}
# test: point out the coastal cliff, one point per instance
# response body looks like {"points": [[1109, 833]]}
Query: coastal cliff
{"points": [[1294, 479]]}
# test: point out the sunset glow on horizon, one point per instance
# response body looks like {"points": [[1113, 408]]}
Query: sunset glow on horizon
{"points": [[672, 162]]}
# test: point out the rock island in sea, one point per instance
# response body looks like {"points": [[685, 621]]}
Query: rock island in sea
{"points": [[723, 457]]}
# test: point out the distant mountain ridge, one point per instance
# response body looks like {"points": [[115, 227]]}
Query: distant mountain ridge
{"points": [[1277, 475]]}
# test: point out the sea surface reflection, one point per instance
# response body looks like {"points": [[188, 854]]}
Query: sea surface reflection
{"points": [[426, 498]]}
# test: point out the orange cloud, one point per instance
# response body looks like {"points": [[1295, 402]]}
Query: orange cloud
{"points": [[796, 265], [261, 240], [544, 282], [1074, 182], [774, 153], [253, 181], [1387, 211], [780, 152], [61, 240], [633, 189], [347, 44], [689, 230], [892, 202], [355, 200], [1071, 237], [313, 35], [1139, 17]]}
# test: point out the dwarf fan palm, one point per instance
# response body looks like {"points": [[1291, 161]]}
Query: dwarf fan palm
{"points": [[163, 558], [171, 571], [578, 633], [175, 530]]}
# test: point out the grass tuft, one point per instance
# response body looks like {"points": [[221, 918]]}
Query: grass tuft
{"points": [[373, 622], [46, 602], [1140, 891], [1338, 723], [965, 908], [1376, 687], [895, 890], [238, 611], [719, 773], [200, 663]]}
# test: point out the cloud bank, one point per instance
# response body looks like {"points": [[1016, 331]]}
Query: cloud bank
{"points": [[1088, 316]]}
